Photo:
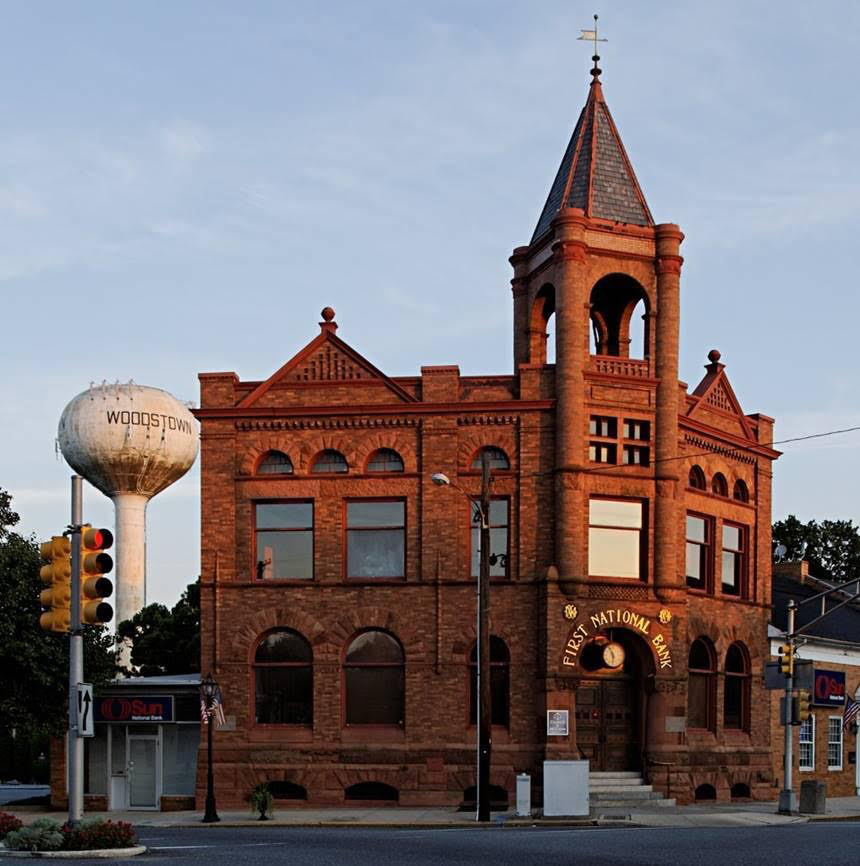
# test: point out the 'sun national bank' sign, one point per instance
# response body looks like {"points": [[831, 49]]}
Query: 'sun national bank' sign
{"points": [[829, 688], [140, 708]]}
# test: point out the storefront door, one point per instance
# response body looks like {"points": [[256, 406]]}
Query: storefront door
{"points": [[143, 773], [606, 723]]}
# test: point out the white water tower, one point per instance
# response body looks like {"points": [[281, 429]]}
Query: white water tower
{"points": [[130, 442]]}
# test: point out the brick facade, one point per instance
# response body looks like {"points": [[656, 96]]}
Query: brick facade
{"points": [[551, 610]]}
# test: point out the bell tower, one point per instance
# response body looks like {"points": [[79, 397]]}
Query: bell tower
{"points": [[595, 259]]}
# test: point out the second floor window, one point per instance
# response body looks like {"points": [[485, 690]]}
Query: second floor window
{"points": [[700, 551], [376, 539], [498, 539], [733, 559], [615, 538], [284, 540]]}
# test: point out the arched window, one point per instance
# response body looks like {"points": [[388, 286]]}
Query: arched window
{"points": [[498, 458], [697, 478], [619, 303], [740, 791], [719, 485], [736, 709], [283, 679], [741, 491], [543, 309], [500, 683], [705, 792], [702, 686], [283, 790], [374, 680], [374, 791], [330, 461], [385, 460], [275, 463]]}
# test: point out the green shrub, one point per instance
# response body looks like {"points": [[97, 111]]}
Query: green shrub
{"points": [[8, 823], [42, 835], [95, 834]]}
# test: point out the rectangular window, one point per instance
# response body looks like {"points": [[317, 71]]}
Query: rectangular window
{"points": [[807, 744], [600, 425], [376, 539], [700, 534], [636, 455], [601, 452], [615, 538], [733, 563], [834, 742], [498, 539], [634, 429], [284, 540]]}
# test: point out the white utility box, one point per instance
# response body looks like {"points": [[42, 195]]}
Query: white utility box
{"points": [[565, 788]]}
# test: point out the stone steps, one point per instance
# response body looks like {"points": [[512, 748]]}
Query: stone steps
{"points": [[623, 789]]}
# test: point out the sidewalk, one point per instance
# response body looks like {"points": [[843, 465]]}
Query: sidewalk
{"points": [[700, 815]]}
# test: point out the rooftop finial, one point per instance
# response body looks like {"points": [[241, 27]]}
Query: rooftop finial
{"points": [[592, 36]]}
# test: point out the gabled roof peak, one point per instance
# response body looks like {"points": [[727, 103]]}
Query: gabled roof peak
{"points": [[595, 174]]}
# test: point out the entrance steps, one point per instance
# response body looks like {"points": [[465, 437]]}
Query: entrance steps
{"points": [[626, 790]]}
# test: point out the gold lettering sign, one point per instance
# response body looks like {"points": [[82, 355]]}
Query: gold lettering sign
{"points": [[615, 618]]}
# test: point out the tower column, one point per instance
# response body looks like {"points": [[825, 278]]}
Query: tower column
{"points": [[668, 581], [522, 311], [571, 359]]}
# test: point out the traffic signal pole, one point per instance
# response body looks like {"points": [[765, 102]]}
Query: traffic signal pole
{"points": [[787, 797], [75, 745]]}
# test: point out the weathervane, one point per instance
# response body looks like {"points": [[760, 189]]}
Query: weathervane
{"points": [[592, 35]]}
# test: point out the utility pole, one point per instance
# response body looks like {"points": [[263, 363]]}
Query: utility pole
{"points": [[75, 748], [485, 720]]}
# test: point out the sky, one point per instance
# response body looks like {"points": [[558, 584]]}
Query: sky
{"points": [[184, 186]]}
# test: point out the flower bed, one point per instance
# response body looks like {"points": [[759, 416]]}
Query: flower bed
{"points": [[45, 834]]}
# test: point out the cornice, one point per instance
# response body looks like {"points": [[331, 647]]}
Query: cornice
{"points": [[375, 410]]}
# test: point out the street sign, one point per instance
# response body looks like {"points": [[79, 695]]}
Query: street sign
{"points": [[86, 723]]}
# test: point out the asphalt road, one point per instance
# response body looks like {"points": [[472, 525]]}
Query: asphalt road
{"points": [[833, 844]]}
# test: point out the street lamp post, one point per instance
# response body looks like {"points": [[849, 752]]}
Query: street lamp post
{"points": [[208, 690], [482, 505]]}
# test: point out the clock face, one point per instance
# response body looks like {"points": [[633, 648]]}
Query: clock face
{"points": [[613, 655]]}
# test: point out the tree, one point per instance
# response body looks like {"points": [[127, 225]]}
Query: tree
{"points": [[832, 547], [34, 665], [165, 641]]}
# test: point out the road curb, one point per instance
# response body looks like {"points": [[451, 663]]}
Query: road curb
{"points": [[98, 853]]}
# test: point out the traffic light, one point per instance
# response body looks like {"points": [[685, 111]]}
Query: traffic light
{"points": [[95, 587], [786, 659], [57, 575], [804, 705]]}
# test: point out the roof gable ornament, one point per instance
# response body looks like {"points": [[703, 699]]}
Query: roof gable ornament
{"points": [[595, 174], [326, 359], [715, 392]]}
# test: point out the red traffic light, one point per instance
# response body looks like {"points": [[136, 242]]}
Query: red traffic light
{"points": [[96, 539]]}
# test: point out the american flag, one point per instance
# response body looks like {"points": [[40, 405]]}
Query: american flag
{"points": [[217, 710], [852, 708]]}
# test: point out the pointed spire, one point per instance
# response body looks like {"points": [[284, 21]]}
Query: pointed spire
{"points": [[595, 174]]}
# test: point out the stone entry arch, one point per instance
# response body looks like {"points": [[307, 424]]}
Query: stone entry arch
{"points": [[612, 704]]}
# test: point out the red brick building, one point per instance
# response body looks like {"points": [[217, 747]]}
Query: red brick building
{"points": [[630, 538]]}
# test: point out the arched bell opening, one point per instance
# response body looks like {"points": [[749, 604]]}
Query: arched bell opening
{"points": [[619, 311], [543, 310], [612, 700]]}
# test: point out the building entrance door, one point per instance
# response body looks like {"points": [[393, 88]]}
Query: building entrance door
{"points": [[606, 723], [143, 773]]}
